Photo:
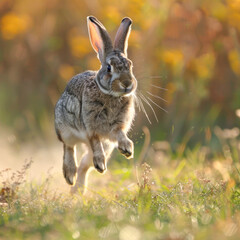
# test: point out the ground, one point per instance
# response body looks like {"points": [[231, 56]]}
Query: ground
{"points": [[188, 194]]}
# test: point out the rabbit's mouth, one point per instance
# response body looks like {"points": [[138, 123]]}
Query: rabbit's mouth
{"points": [[123, 88], [118, 87]]}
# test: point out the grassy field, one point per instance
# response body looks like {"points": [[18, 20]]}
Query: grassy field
{"points": [[186, 57], [193, 194]]}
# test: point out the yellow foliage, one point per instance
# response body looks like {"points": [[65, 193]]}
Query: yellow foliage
{"points": [[234, 5], [173, 57], [66, 71], [203, 65], [112, 13], [234, 13], [134, 9], [171, 88], [234, 60], [135, 39], [13, 25], [93, 63], [79, 45], [219, 10]]}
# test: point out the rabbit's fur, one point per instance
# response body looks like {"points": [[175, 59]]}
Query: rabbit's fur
{"points": [[97, 107]]}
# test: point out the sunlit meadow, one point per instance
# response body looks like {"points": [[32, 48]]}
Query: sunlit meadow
{"points": [[184, 180]]}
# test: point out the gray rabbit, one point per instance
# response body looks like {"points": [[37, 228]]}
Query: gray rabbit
{"points": [[97, 107]]}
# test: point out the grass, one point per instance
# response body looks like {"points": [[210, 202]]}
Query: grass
{"points": [[194, 194]]}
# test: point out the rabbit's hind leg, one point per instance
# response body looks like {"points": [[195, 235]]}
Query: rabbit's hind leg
{"points": [[69, 140], [82, 173], [85, 167], [69, 164]]}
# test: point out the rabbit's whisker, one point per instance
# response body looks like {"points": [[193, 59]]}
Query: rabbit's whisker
{"points": [[165, 89], [147, 102], [137, 102], [156, 96], [143, 109], [157, 105], [151, 77], [144, 83]]}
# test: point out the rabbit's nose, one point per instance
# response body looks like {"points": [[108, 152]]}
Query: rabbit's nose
{"points": [[126, 85], [126, 82]]}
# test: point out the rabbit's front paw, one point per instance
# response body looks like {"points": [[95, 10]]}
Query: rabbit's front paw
{"points": [[126, 148], [99, 163], [70, 174]]}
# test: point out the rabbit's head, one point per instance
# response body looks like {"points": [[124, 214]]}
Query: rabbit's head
{"points": [[115, 76]]}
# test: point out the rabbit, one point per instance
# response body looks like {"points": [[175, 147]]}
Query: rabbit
{"points": [[97, 108]]}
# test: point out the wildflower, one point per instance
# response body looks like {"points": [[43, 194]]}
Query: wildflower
{"points": [[12, 25]]}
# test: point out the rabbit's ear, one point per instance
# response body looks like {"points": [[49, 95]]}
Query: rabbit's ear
{"points": [[99, 38], [121, 39]]}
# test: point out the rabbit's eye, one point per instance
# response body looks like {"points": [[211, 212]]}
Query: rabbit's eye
{"points": [[109, 68]]}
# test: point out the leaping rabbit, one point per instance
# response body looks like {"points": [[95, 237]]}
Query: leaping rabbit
{"points": [[97, 107]]}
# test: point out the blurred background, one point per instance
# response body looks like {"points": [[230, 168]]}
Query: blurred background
{"points": [[185, 52]]}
